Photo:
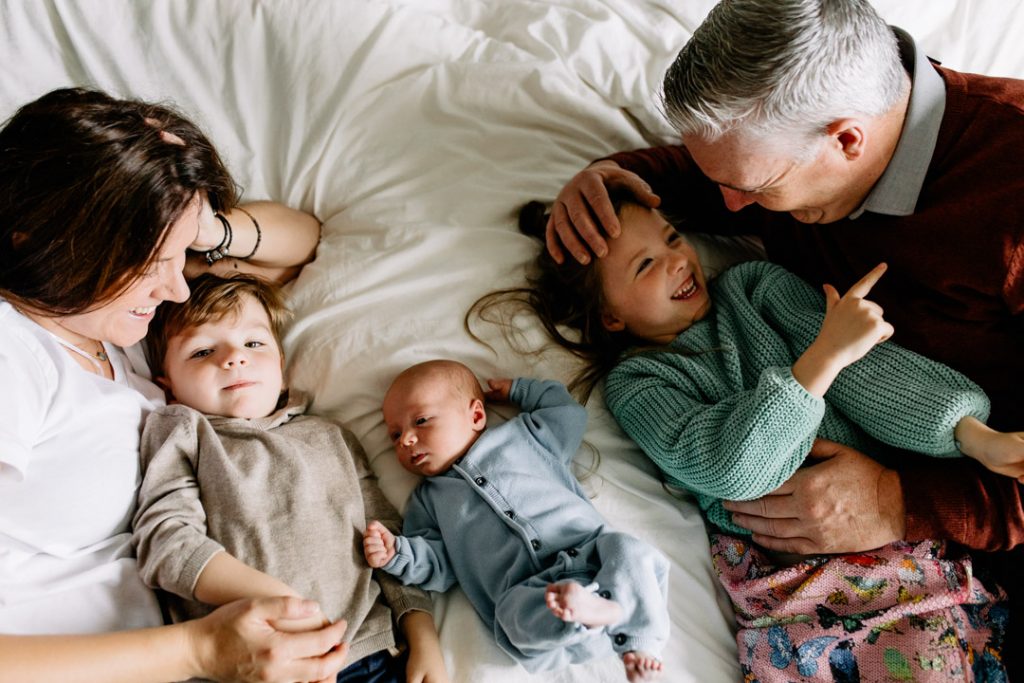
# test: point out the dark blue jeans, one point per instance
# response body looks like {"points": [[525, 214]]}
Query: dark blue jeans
{"points": [[380, 667]]}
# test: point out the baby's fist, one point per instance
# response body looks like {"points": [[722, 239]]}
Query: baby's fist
{"points": [[499, 390], [378, 544]]}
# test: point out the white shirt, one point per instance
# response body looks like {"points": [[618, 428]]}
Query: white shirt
{"points": [[69, 472]]}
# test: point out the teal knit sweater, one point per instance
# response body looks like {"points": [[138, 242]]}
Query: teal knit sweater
{"points": [[721, 414]]}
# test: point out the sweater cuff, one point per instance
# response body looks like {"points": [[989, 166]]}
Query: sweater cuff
{"points": [[935, 504], [410, 600], [196, 563]]}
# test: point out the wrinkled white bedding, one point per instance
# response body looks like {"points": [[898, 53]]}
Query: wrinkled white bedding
{"points": [[414, 129]]}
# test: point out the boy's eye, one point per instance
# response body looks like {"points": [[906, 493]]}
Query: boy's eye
{"points": [[421, 421], [254, 344], [201, 353], [672, 237], [394, 436], [643, 265]]}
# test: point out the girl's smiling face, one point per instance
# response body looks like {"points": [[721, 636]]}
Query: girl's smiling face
{"points": [[652, 280]]}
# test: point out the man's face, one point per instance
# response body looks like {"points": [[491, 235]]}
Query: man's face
{"points": [[827, 187]]}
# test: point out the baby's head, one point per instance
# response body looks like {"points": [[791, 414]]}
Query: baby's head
{"points": [[646, 290], [220, 350], [434, 412]]}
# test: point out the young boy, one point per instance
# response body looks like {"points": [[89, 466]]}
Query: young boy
{"points": [[501, 513], [245, 495]]}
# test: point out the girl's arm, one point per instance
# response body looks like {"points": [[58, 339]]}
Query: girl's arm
{"points": [[236, 642], [426, 662], [705, 435], [287, 241]]}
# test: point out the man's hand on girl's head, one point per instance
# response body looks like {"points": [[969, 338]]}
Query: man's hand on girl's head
{"points": [[583, 210]]}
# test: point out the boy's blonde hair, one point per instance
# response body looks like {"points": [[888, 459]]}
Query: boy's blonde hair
{"points": [[212, 298]]}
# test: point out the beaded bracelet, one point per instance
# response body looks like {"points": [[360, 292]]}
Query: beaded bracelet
{"points": [[221, 250], [259, 234]]}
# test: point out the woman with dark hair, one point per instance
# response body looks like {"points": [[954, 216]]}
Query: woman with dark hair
{"points": [[100, 199]]}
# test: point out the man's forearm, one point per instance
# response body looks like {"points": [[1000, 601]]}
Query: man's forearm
{"points": [[961, 501]]}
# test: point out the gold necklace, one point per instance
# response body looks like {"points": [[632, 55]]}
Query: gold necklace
{"points": [[101, 355]]}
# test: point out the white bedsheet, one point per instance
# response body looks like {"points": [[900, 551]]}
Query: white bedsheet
{"points": [[414, 129]]}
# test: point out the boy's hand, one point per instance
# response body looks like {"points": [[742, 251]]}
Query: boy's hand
{"points": [[500, 390], [1001, 452], [378, 544], [426, 662]]}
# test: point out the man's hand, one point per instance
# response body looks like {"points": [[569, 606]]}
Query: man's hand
{"points": [[844, 503], [378, 544], [585, 199]]}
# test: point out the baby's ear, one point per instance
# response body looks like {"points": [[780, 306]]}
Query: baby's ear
{"points": [[479, 415]]}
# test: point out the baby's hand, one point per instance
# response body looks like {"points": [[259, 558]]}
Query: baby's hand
{"points": [[1001, 452], [853, 325], [500, 390], [378, 544]]}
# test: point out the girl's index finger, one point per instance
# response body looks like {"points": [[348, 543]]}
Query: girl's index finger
{"points": [[862, 287]]}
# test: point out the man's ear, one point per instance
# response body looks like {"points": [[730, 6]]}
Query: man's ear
{"points": [[611, 322], [476, 407], [849, 136]]}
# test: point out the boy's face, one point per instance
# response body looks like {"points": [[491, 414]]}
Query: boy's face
{"points": [[431, 424], [230, 367], [652, 280]]}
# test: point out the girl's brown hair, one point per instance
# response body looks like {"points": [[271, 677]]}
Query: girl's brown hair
{"points": [[88, 188], [568, 300], [213, 298]]}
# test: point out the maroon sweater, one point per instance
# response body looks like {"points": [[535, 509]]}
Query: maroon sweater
{"points": [[954, 290]]}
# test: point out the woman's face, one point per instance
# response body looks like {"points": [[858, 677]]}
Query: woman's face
{"points": [[125, 319]]}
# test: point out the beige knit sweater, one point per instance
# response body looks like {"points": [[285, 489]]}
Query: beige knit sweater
{"points": [[287, 494]]}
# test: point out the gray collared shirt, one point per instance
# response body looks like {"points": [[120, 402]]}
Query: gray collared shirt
{"points": [[896, 192]]}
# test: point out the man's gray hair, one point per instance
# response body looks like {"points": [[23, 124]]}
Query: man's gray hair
{"points": [[783, 68]]}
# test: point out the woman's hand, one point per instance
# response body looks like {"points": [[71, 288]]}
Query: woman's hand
{"points": [[583, 209], [378, 544], [239, 642], [211, 230], [426, 662]]}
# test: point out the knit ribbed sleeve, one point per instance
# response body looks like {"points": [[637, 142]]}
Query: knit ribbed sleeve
{"points": [[906, 400]]}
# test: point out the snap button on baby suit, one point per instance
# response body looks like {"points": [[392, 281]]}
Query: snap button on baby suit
{"points": [[480, 481], [535, 543], [510, 514], [572, 552], [607, 595], [620, 639]]}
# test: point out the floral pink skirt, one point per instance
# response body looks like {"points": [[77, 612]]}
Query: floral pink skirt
{"points": [[905, 612]]}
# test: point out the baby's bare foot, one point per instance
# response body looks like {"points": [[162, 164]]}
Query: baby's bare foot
{"points": [[569, 601], [641, 666]]}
